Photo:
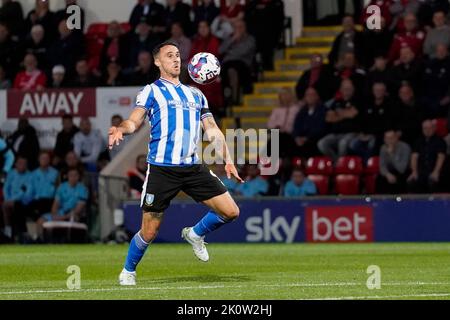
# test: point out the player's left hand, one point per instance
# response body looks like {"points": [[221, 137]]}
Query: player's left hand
{"points": [[230, 169], [115, 136]]}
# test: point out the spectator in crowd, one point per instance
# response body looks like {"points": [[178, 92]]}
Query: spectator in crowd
{"points": [[282, 118], [254, 185], [375, 118], [222, 26], [412, 37], [178, 11], [205, 11], [319, 76], [267, 35], [408, 115], [238, 54], [83, 78], [67, 49], [136, 176], [71, 161], [31, 78], [42, 15], [5, 83], [357, 8], [347, 68], [299, 185], [150, 12], [62, 14], [145, 72], [11, 14], [379, 72], [37, 45], [115, 48], [427, 161], [436, 84], [88, 144], [204, 41], [184, 45], [342, 120], [394, 162], [401, 11], [429, 7], [408, 69], [143, 40], [6, 157], [9, 52], [70, 201], [309, 125], [113, 76], [58, 77], [25, 143], [439, 35], [349, 40], [64, 140], [43, 182], [17, 194], [377, 42]]}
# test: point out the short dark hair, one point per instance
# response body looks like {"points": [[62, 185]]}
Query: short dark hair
{"points": [[158, 47], [67, 116]]}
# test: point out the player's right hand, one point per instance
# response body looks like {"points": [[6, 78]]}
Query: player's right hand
{"points": [[115, 136]]}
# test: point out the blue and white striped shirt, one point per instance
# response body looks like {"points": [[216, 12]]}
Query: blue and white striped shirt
{"points": [[174, 113]]}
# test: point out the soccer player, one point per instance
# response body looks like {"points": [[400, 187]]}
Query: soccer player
{"points": [[175, 112]]}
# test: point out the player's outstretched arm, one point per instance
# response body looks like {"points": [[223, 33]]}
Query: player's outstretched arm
{"points": [[128, 126], [215, 135]]}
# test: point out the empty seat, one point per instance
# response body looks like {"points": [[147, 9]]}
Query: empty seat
{"points": [[347, 184], [322, 183], [349, 165], [372, 166], [370, 174], [319, 165]]}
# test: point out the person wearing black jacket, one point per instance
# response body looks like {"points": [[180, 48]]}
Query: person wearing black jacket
{"points": [[11, 14], [150, 12], [25, 143], [265, 21], [349, 40], [64, 140]]}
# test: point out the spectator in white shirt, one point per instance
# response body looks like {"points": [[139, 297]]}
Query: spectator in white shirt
{"points": [[88, 144]]}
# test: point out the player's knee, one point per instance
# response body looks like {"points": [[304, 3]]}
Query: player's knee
{"points": [[232, 213], [149, 234]]}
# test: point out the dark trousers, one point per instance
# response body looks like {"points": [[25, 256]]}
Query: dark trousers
{"points": [[423, 185], [384, 187]]}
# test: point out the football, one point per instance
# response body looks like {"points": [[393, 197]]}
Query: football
{"points": [[204, 68]]}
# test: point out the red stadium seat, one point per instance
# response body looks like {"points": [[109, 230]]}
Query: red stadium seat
{"points": [[297, 162], [322, 183], [441, 127], [347, 184], [372, 166], [319, 165], [349, 165], [370, 174]]}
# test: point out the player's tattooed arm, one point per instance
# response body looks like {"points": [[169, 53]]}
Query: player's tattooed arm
{"points": [[128, 126], [216, 136]]}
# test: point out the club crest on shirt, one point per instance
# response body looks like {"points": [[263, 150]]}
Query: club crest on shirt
{"points": [[149, 199]]}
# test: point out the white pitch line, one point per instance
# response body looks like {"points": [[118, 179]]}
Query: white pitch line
{"points": [[331, 284], [423, 295]]}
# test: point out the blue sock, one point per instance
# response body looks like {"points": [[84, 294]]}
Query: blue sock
{"points": [[135, 252], [210, 222]]}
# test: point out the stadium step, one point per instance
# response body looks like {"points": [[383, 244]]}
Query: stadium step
{"points": [[305, 53], [304, 42], [281, 76], [255, 112], [252, 100], [272, 87], [316, 32], [292, 65]]}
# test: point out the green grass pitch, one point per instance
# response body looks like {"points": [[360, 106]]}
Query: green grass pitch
{"points": [[235, 271]]}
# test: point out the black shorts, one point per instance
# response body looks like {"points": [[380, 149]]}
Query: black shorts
{"points": [[163, 183]]}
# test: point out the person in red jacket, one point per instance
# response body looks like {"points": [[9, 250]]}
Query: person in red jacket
{"points": [[205, 41], [412, 37], [31, 78]]}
